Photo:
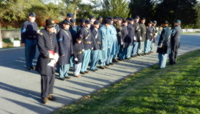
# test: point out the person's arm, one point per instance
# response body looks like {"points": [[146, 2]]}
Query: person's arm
{"points": [[41, 45], [60, 43], [23, 33], [162, 38]]}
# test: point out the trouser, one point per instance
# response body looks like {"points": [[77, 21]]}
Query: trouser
{"points": [[109, 57], [102, 62], [117, 54], [94, 59], [141, 48], [71, 61], [162, 60], [30, 51], [135, 48], [173, 55], [147, 46], [47, 82], [77, 69], [152, 46], [85, 60], [122, 53], [63, 70], [129, 50]]}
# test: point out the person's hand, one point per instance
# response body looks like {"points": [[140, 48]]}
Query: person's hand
{"points": [[63, 55], [23, 44], [76, 59]]}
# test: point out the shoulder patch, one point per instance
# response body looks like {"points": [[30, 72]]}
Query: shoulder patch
{"points": [[40, 33]]}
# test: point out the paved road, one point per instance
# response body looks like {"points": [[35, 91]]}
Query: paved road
{"points": [[20, 89]]}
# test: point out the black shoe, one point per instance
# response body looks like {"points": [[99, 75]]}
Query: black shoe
{"points": [[102, 67], [33, 68], [67, 77], [96, 69], [86, 72], [93, 70], [50, 97], [115, 60], [111, 64], [107, 65], [29, 69], [63, 79], [82, 72]]}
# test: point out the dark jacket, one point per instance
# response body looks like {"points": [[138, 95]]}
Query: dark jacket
{"points": [[143, 32], [149, 35], [46, 42], [65, 44], [164, 40], [29, 31], [125, 38], [74, 32], [131, 34], [78, 50], [175, 37], [119, 32], [137, 31], [87, 37], [96, 39]]}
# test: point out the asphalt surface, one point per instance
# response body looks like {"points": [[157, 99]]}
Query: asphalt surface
{"points": [[20, 88]]}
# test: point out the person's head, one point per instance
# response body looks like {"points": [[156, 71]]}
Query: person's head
{"points": [[115, 19], [100, 19], [154, 23], [79, 39], [73, 22], [50, 25], [88, 23], [177, 22], [82, 22], [111, 20], [107, 23], [164, 23], [69, 16], [125, 23], [150, 23], [119, 21], [66, 24], [137, 18], [96, 24], [143, 20], [131, 21], [31, 17], [92, 19]]}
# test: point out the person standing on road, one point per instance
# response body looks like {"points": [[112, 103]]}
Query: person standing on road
{"points": [[29, 40]]}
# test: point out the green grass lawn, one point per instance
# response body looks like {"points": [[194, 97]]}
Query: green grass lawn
{"points": [[175, 89]]}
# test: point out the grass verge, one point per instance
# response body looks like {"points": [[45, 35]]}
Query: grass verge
{"points": [[175, 89]]}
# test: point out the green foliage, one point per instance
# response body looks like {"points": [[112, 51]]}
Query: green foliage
{"points": [[174, 89]]}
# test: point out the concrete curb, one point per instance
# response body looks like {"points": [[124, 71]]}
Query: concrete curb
{"points": [[11, 49]]}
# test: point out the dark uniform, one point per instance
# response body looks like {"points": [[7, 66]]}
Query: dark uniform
{"points": [[164, 50], [65, 44], [87, 42], [29, 38], [149, 37], [78, 55], [143, 36], [175, 43], [137, 38], [119, 35], [131, 35], [47, 43], [97, 46], [125, 40]]}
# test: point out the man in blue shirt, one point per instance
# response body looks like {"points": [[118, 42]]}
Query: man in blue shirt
{"points": [[29, 40]]}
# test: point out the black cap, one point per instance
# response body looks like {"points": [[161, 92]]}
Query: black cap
{"points": [[124, 21], [92, 17], [154, 21], [143, 18], [107, 21], [32, 14], [165, 22], [50, 23], [96, 22], [115, 17], [137, 17], [99, 17], [72, 20], [150, 22], [110, 18], [82, 20], [87, 22], [119, 18], [66, 22], [177, 21], [69, 14]]}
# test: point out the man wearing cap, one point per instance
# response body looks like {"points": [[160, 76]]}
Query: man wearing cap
{"points": [[137, 37], [104, 30], [82, 25], [143, 36], [73, 30], [112, 43], [100, 19], [155, 33], [65, 44], [97, 46], [86, 34], [175, 42], [149, 37], [48, 48], [118, 27], [131, 35], [92, 19], [29, 40], [164, 45], [68, 18]]}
